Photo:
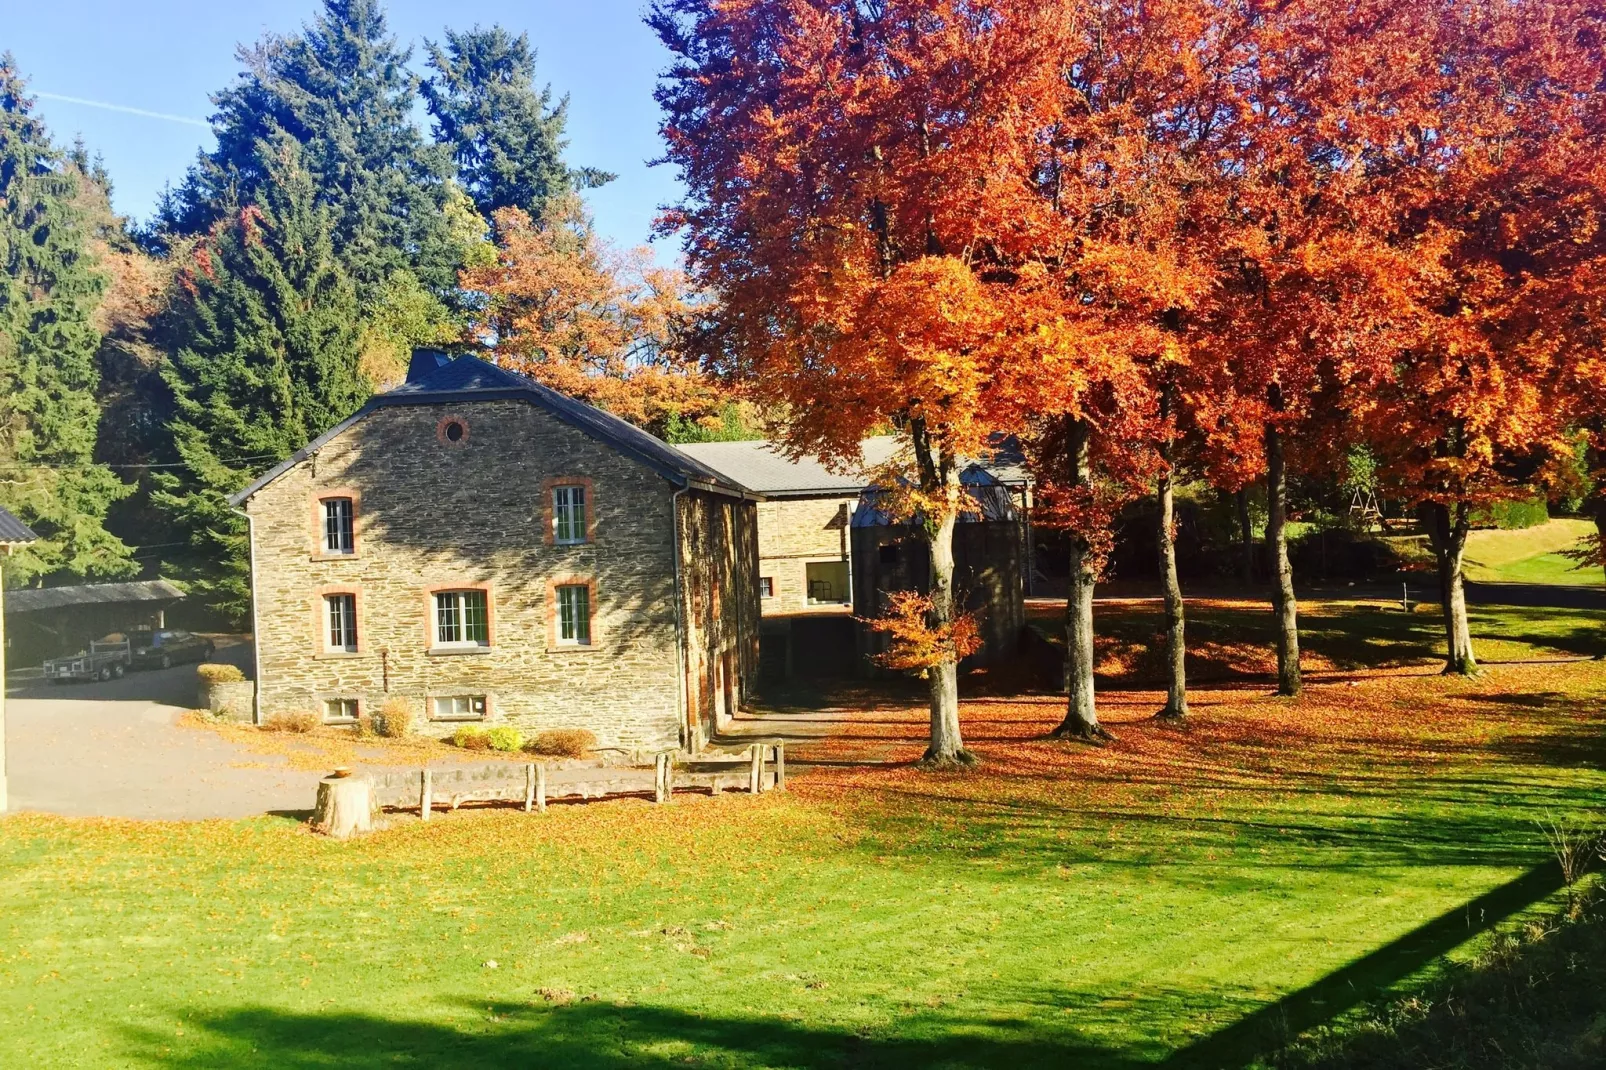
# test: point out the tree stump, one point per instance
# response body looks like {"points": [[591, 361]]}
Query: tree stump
{"points": [[345, 806]]}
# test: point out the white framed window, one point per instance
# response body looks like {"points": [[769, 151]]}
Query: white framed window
{"points": [[574, 615], [462, 618], [568, 515], [340, 611], [766, 586], [339, 534], [339, 710], [457, 708]]}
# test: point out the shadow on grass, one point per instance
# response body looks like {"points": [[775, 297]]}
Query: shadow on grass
{"points": [[595, 1033], [1274, 1026]]}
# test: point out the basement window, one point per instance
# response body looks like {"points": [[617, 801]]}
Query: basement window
{"points": [[458, 708]]}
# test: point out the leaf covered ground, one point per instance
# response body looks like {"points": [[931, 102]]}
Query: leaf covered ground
{"points": [[1182, 896]]}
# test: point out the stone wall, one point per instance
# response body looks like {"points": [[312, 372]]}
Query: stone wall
{"points": [[719, 551], [433, 513], [791, 533]]}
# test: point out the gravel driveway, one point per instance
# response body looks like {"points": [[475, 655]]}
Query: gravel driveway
{"points": [[114, 749]]}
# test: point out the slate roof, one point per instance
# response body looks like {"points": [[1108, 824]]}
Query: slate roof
{"points": [[14, 532], [469, 378], [32, 600], [757, 464]]}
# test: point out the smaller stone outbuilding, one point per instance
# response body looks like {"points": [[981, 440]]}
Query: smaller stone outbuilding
{"points": [[989, 565], [485, 549], [813, 575]]}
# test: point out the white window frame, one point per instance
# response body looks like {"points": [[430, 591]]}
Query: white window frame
{"points": [[569, 505], [339, 533], [457, 601], [453, 713], [569, 619], [766, 586], [356, 710], [340, 624]]}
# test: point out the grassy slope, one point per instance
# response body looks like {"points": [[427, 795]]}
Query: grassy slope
{"points": [[1532, 997], [1066, 906], [1527, 555]]}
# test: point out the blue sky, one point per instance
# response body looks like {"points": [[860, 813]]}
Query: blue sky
{"points": [[166, 56]]}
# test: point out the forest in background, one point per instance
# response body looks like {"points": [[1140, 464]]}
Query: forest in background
{"points": [[149, 370]]}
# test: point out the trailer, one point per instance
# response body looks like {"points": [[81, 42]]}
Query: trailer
{"points": [[106, 659]]}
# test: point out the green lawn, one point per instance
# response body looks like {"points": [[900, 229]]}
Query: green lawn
{"points": [[1184, 898], [1525, 555]]}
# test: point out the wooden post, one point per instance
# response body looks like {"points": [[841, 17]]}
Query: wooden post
{"points": [[426, 794], [529, 787], [658, 784], [780, 765], [540, 786], [755, 776], [669, 777]]}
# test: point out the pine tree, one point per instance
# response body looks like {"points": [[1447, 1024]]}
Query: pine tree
{"points": [[506, 135], [49, 293], [341, 90], [264, 340]]}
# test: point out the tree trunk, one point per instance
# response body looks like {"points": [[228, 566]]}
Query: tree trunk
{"points": [[1176, 649], [1246, 539], [1283, 603], [940, 479], [344, 806], [1447, 532], [1081, 715]]}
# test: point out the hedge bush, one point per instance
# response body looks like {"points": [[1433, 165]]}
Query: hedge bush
{"points": [[1512, 516], [471, 737], [299, 721], [562, 743], [215, 673], [505, 739], [395, 718]]}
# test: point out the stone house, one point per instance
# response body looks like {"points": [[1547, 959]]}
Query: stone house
{"points": [[808, 579], [489, 550]]}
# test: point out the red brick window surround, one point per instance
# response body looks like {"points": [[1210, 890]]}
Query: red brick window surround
{"points": [[452, 431], [459, 618], [569, 508], [337, 621], [571, 613], [336, 513]]}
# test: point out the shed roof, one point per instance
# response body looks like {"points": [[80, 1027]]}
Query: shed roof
{"points": [[14, 532], [32, 600], [469, 378], [760, 465]]}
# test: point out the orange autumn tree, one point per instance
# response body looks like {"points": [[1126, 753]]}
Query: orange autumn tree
{"points": [[851, 172], [562, 307], [1116, 262], [1496, 189]]}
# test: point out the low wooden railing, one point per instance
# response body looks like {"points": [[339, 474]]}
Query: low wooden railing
{"points": [[762, 768]]}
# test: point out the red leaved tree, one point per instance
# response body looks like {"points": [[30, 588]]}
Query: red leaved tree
{"points": [[851, 170]]}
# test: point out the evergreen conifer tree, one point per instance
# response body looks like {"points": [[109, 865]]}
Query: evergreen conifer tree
{"points": [[341, 90], [49, 292], [264, 344], [505, 134]]}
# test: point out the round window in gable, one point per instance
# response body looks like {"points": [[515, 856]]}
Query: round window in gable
{"points": [[452, 431]]}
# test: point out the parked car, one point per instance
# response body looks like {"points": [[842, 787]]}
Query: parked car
{"points": [[104, 660], [161, 648]]}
